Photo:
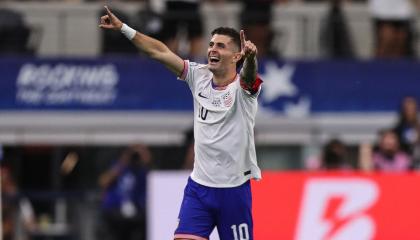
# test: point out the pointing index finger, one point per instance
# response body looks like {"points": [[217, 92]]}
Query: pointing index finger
{"points": [[108, 11], [242, 35]]}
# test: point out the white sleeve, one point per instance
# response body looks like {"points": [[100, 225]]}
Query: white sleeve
{"points": [[184, 71], [26, 210], [188, 73]]}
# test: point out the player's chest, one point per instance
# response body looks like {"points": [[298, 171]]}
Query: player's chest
{"points": [[215, 100]]}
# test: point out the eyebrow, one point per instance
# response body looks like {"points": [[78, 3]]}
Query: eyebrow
{"points": [[219, 44]]}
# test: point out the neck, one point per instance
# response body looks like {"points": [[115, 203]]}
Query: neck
{"points": [[222, 80]]}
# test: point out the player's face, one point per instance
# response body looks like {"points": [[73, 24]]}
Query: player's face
{"points": [[222, 53]]}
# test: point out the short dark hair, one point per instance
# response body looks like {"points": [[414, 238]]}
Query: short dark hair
{"points": [[234, 35], [230, 32]]}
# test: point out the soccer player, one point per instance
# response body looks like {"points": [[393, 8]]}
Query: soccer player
{"points": [[218, 192]]}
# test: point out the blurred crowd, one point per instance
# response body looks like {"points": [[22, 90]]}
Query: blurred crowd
{"points": [[114, 180], [180, 25], [121, 178], [397, 148]]}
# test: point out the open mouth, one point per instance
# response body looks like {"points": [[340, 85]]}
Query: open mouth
{"points": [[214, 60]]}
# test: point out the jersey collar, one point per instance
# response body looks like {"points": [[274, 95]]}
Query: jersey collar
{"points": [[216, 87]]}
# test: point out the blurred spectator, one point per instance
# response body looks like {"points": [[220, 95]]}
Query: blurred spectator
{"points": [[416, 155], [183, 24], [255, 21], [408, 126], [388, 156], [14, 34], [188, 148], [335, 36], [124, 198], [393, 30], [18, 220], [334, 156], [149, 22]]}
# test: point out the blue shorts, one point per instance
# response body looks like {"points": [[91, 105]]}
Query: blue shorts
{"points": [[228, 209]]}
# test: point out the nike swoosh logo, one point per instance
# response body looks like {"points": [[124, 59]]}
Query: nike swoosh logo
{"points": [[200, 95]]}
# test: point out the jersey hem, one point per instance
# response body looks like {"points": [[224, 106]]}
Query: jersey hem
{"points": [[188, 236], [204, 183]]}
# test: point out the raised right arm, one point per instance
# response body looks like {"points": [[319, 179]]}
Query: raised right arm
{"points": [[153, 48]]}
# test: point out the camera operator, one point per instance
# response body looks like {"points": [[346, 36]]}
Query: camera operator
{"points": [[124, 194]]}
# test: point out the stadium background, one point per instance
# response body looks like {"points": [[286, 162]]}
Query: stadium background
{"points": [[71, 99]]}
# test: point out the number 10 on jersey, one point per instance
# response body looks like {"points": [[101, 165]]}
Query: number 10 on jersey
{"points": [[240, 232], [202, 113]]}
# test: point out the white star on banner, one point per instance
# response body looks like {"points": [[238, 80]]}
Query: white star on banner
{"points": [[278, 82], [298, 110]]}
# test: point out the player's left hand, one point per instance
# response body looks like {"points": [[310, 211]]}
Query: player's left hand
{"points": [[248, 49], [110, 21]]}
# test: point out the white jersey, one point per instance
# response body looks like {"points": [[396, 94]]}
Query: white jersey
{"points": [[392, 9], [223, 130]]}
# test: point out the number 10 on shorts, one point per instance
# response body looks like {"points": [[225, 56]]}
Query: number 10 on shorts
{"points": [[241, 231]]}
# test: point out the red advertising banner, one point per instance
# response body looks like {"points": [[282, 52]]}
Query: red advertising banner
{"points": [[318, 206]]}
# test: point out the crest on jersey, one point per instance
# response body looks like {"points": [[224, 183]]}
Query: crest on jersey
{"points": [[216, 102], [227, 99]]}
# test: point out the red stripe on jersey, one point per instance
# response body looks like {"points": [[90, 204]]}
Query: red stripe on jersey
{"points": [[254, 88], [184, 71]]}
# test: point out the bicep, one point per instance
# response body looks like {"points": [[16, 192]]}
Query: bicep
{"points": [[173, 62], [160, 52]]}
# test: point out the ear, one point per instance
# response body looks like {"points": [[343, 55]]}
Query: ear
{"points": [[237, 57]]}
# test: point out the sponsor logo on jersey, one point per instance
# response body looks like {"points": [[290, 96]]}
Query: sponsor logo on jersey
{"points": [[201, 95]]}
